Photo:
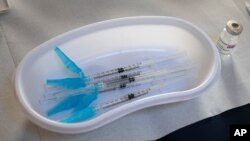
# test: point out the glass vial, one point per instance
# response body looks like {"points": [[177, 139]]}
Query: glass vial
{"points": [[229, 37]]}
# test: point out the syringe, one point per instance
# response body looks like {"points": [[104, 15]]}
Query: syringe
{"points": [[133, 95], [72, 98], [142, 64], [75, 83], [78, 83], [91, 111], [145, 78], [121, 84]]}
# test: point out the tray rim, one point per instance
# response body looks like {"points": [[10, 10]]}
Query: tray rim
{"points": [[97, 122]]}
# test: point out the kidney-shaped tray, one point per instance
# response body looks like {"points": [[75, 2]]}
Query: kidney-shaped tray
{"points": [[112, 43]]}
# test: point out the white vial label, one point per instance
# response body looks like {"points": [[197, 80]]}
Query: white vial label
{"points": [[225, 48]]}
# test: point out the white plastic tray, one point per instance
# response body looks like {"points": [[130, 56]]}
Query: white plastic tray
{"points": [[144, 36]]}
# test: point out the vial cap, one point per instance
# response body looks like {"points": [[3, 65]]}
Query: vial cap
{"points": [[233, 27]]}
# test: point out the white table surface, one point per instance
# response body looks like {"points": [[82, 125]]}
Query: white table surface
{"points": [[32, 22]]}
